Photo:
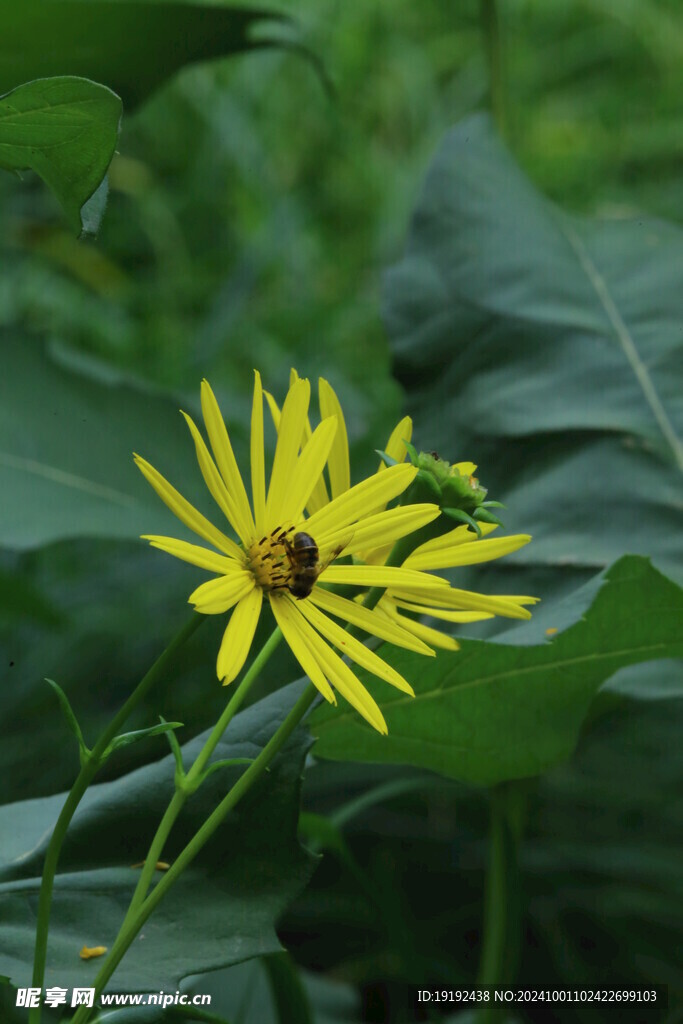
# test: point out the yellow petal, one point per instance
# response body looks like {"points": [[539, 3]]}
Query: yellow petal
{"points": [[344, 680], [467, 554], [318, 497], [258, 466], [289, 622], [274, 410], [338, 467], [381, 576], [355, 503], [195, 555], [186, 512], [381, 528], [88, 952], [218, 595], [348, 644], [215, 484], [238, 636], [465, 468], [225, 459], [308, 469], [294, 413], [466, 600], [366, 619], [426, 633], [460, 535], [395, 448], [443, 613]]}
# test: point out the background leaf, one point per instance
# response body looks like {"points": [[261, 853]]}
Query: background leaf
{"points": [[131, 46], [65, 129], [542, 347], [66, 450], [220, 912], [492, 712]]}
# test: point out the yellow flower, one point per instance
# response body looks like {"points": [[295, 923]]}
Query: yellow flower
{"points": [[458, 547], [280, 554]]}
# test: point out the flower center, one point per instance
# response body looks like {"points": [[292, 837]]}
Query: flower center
{"points": [[269, 560]]}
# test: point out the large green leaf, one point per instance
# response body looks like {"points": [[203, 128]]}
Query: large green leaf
{"points": [[223, 908], [492, 712], [65, 129], [545, 347], [130, 45], [67, 434]]}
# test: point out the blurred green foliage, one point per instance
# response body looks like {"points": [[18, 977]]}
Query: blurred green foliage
{"points": [[251, 215]]}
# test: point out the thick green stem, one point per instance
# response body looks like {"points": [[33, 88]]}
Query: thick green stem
{"points": [[502, 902], [193, 777], [255, 770], [490, 22], [88, 771]]}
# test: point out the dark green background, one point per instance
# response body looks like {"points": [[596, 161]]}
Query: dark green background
{"points": [[251, 218]]}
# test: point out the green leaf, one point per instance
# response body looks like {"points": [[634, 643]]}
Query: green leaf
{"points": [[69, 716], [126, 738], [463, 517], [386, 459], [569, 401], [65, 129], [227, 900], [66, 450], [131, 47], [492, 712], [287, 989]]}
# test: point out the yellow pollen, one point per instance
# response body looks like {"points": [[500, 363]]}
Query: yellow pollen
{"points": [[268, 559]]}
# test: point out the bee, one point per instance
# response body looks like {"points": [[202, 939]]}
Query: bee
{"points": [[304, 559]]}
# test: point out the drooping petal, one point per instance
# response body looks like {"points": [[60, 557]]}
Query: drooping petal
{"points": [[443, 613], [381, 576], [220, 594], [348, 644], [225, 459], [215, 484], [258, 464], [307, 471], [294, 413], [381, 528], [238, 636], [195, 554], [466, 600], [366, 619], [338, 467], [290, 623], [186, 512], [355, 503], [431, 636], [467, 554], [343, 679]]}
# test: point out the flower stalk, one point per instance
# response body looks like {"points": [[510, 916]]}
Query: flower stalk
{"points": [[186, 784], [253, 773], [90, 765]]}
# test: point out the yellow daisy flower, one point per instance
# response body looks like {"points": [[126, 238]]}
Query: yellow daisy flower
{"points": [[458, 547], [283, 555]]}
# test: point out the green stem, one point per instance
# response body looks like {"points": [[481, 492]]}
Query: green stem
{"points": [[490, 22], [502, 913], [130, 929], [89, 769], [193, 777]]}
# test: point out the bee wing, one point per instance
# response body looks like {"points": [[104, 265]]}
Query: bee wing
{"points": [[335, 552]]}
